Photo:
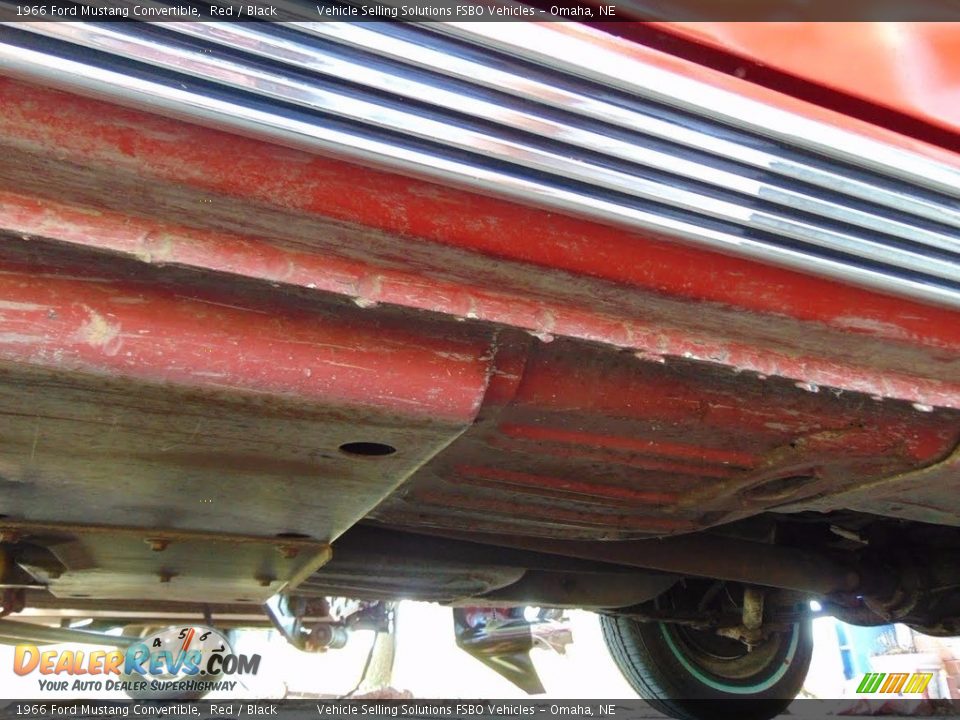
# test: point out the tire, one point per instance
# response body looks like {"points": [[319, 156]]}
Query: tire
{"points": [[697, 674]]}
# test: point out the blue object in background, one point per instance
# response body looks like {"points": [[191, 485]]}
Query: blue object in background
{"points": [[858, 644]]}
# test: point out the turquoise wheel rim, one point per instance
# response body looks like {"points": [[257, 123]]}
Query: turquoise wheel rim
{"points": [[711, 682]]}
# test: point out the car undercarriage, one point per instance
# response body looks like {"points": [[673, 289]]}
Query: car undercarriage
{"points": [[281, 323]]}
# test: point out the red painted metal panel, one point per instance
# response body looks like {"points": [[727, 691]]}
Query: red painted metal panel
{"points": [[617, 41], [155, 150], [419, 245], [913, 68], [594, 443], [161, 252], [119, 328]]}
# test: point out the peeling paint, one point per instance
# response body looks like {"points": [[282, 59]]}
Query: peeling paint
{"points": [[98, 331], [20, 306]]}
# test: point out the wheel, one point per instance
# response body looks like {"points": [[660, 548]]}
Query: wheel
{"points": [[683, 672]]}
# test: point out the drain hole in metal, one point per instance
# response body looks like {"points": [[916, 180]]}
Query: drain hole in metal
{"points": [[368, 449]]}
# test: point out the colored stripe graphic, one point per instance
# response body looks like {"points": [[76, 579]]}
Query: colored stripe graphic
{"points": [[894, 683], [918, 683], [187, 640], [870, 682]]}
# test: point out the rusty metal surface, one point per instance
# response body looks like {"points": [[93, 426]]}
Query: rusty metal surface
{"points": [[129, 402], [386, 576], [376, 563], [86, 450], [313, 223], [110, 562], [192, 324], [708, 556], [583, 442], [44, 608], [925, 495]]}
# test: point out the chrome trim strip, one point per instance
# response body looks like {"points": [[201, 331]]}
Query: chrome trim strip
{"points": [[332, 90], [318, 60], [530, 89], [325, 99], [540, 42]]}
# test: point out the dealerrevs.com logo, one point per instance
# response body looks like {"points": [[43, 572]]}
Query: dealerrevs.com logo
{"points": [[175, 663]]}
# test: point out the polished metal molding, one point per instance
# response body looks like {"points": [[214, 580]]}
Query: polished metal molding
{"points": [[548, 45], [770, 159], [321, 60], [445, 102]]}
